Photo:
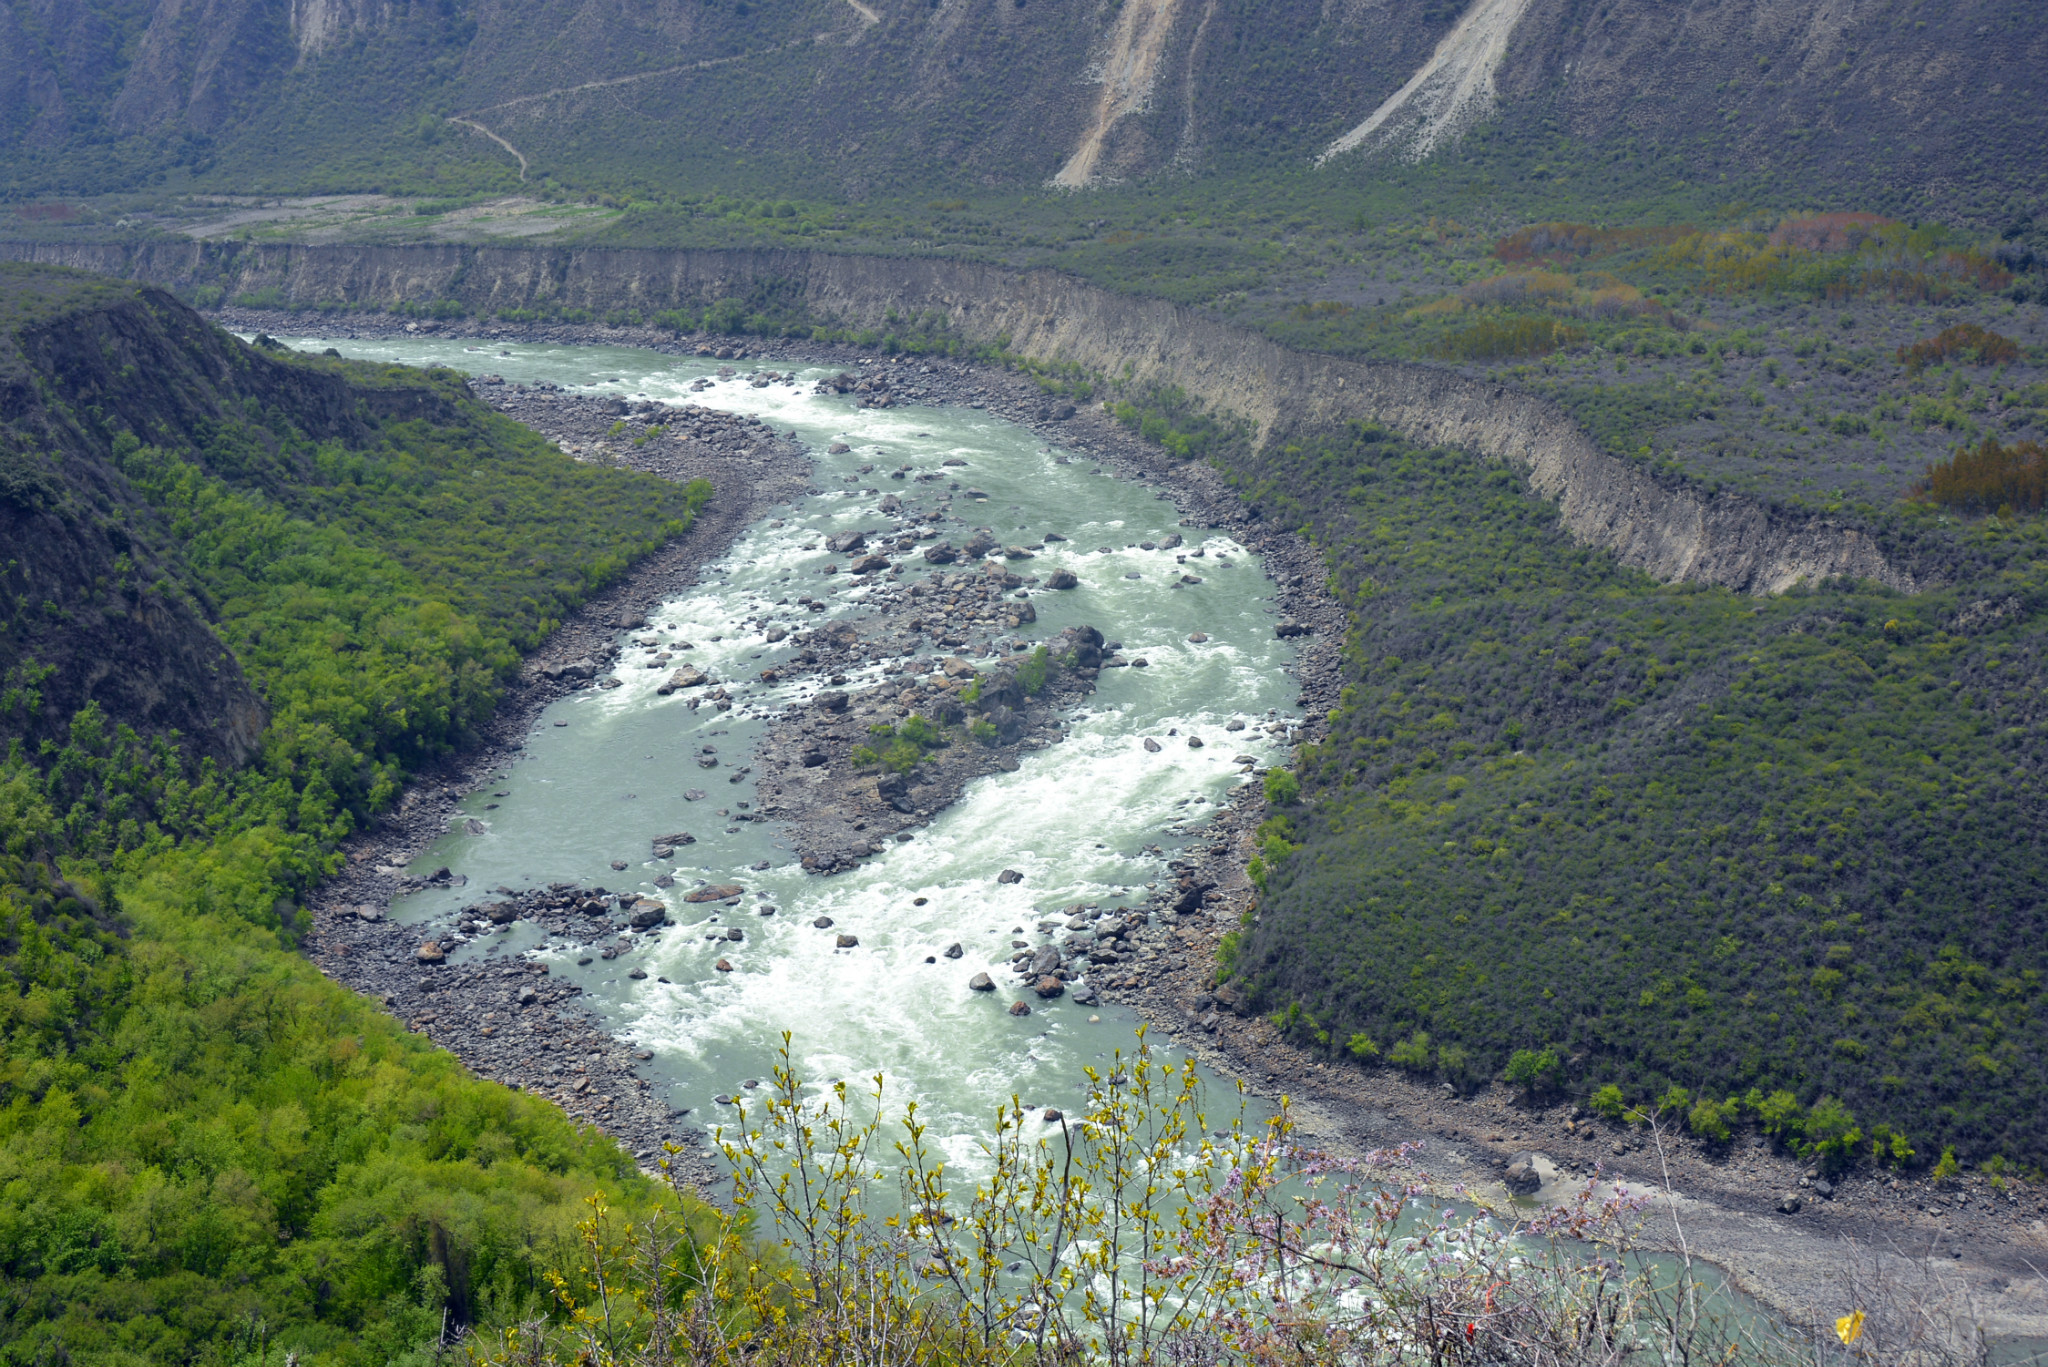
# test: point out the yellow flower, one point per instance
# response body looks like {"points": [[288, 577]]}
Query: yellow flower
{"points": [[1849, 1328]]}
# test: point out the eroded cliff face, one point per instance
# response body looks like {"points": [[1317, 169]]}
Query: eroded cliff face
{"points": [[1668, 529]]}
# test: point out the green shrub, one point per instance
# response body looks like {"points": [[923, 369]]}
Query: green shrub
{"points": [[1362, 1047], [1033, 674], [1414, 1054], [1779, 1114], [1536, 1072], [1282, 788], [1608, 1103], [1708, 1120], [1832, 1134], [1889, 1148]]}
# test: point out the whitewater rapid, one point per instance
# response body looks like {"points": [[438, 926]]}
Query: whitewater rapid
{"points": [[1090, 820]]}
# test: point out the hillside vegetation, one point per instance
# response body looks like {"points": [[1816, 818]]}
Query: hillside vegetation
{"points": [[673, 98], [1781, 855], [206, 1148]]}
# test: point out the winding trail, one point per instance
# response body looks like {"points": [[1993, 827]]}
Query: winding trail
{"points": [[476, 127], [867, 15]]}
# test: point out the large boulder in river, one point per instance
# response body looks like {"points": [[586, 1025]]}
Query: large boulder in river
{"points": [[1000, 688], [871, 564], [830, 701], [941, 554], [981, 982], [981, 543], [846, 541], [689, 676], [430, 953], [717, 892], [647, 913], [1083, 645], [1062, 579], [1048, 986]]}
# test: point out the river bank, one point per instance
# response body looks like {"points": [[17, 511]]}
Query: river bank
{"points": [[1166, 970], [517, 1027]]}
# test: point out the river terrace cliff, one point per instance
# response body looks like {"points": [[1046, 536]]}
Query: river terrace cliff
{"points": [[1668, 528]]}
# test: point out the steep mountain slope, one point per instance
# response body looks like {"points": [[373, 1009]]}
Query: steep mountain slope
{"points": [[204, 1142], [848, 99], [98, 608]]}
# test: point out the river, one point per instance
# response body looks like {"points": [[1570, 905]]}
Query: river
{"points": [[1089, 820]]}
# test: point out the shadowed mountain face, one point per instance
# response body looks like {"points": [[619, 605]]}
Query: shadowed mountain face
{"points": [[98, 612], [849, 97]]}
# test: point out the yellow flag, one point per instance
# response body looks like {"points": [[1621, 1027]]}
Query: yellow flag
{"points": [[1849, 1328]]}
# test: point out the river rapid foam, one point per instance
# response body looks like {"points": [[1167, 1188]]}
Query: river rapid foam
{"points": [[1091, 819]]}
